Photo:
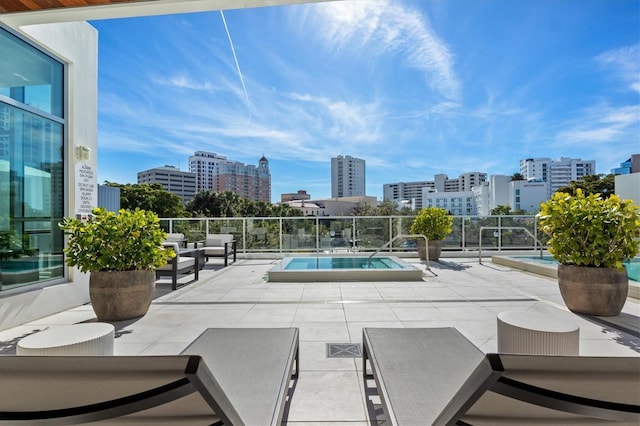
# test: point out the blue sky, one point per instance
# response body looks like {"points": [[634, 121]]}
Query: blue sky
{"points": [[415, 88]]}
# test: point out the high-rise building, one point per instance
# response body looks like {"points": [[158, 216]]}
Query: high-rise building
{"points": [[466, 181], [182, 184], [402, 192], [459, 203], [216, 173], [347, 176], [632, 165], [556, 173], [406, 192]]}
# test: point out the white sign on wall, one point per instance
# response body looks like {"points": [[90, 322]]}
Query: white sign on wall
{"points": [[86, 189]]}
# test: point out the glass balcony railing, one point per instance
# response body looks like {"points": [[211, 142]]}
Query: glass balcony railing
{"points": [[356, 233]]}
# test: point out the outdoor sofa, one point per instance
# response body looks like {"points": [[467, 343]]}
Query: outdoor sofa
{"points": [[427, 376], [225, 377], [220, 245]]}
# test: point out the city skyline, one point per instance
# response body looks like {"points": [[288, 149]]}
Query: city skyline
{"points": [[413, 88]]}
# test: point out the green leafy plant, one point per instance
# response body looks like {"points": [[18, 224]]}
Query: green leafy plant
{"points": [[14, 247], [588, 230], [432, 222], [129, 240]]}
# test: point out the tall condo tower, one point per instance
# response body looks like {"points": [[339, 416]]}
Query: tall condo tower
{"points": [[216, 173], [347, 176]]}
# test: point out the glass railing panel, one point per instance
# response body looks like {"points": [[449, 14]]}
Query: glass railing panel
{"points": [[512, 237], [371, 232], [358, 233], [472, 227], [402, 225], [336, 234], [194, 230], [228, 225], [298, 234], [455, 239], [262, 234]]}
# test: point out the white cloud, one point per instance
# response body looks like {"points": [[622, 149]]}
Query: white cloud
{"points": [[388, 28], [625, 63], [184, 82], [603, 124], [343, 121]]}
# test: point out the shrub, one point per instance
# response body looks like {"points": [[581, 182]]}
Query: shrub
{"points": [[129, 240], [432, 222], [587, 230]]}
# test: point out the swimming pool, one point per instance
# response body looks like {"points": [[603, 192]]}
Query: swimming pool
{"points": [[548, 266], [343, 268]]}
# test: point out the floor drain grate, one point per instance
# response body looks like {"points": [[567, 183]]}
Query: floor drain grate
{"points": [[343, 350]]}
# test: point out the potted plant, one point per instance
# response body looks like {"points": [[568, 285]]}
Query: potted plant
{"points": [[435, 224], [121, 251], [591, 237]]}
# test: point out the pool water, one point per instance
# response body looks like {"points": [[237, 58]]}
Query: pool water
{"points": [[343, 268], [316, 263], [633, 265]]}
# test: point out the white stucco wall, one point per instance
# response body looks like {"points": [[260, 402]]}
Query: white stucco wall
{"points": [[75, 43], [628, 187]]}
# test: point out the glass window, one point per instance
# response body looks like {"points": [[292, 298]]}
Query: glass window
{"points": [[30, 76], [31, 167]]}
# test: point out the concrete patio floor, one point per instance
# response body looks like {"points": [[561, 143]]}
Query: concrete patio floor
{"points": [[457, 292]]}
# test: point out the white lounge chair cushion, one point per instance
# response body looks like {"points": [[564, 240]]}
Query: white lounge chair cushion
{"points": [[174, 246], [218, 240], [214, 251], [175, 238], [183, 262]]}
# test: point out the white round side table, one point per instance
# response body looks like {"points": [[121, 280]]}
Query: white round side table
{"points": [[526, 332], [76, 339]]}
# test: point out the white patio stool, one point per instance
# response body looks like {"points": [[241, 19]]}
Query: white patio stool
{"points": [[77, 339], [526, 332]]}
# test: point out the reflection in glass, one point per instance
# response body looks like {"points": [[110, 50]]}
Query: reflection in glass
{"points": [[30, 76], [31, 165]]}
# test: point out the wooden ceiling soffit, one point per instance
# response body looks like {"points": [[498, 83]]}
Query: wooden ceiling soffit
{"points": [[14, 6]]}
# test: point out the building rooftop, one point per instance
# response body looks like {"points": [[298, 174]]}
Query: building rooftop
{"points": [[456, 292]]}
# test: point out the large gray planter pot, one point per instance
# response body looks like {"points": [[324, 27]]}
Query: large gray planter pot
{"points": [[435, 249], [121, 295], [593, 291]]}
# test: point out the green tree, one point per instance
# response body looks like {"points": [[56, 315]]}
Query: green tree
{"points": [[151, 197], [501, 210], [285, 210], [215, 204], [386, 208], [592, 184], [230, 204], [517, 176]]}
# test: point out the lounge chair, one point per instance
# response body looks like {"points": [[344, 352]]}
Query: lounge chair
{"points": [[220, 245], [177, 238], [136, 390], [254, 366], [436, 376], [185, 262]]}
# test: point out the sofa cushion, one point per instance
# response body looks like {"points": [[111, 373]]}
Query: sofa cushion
{"points": [[175, 238], [218, 240], [183, 262], [214, 251], [174, 246]]}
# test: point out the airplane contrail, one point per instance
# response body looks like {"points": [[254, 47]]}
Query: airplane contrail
{"points": [[235, 58]]}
